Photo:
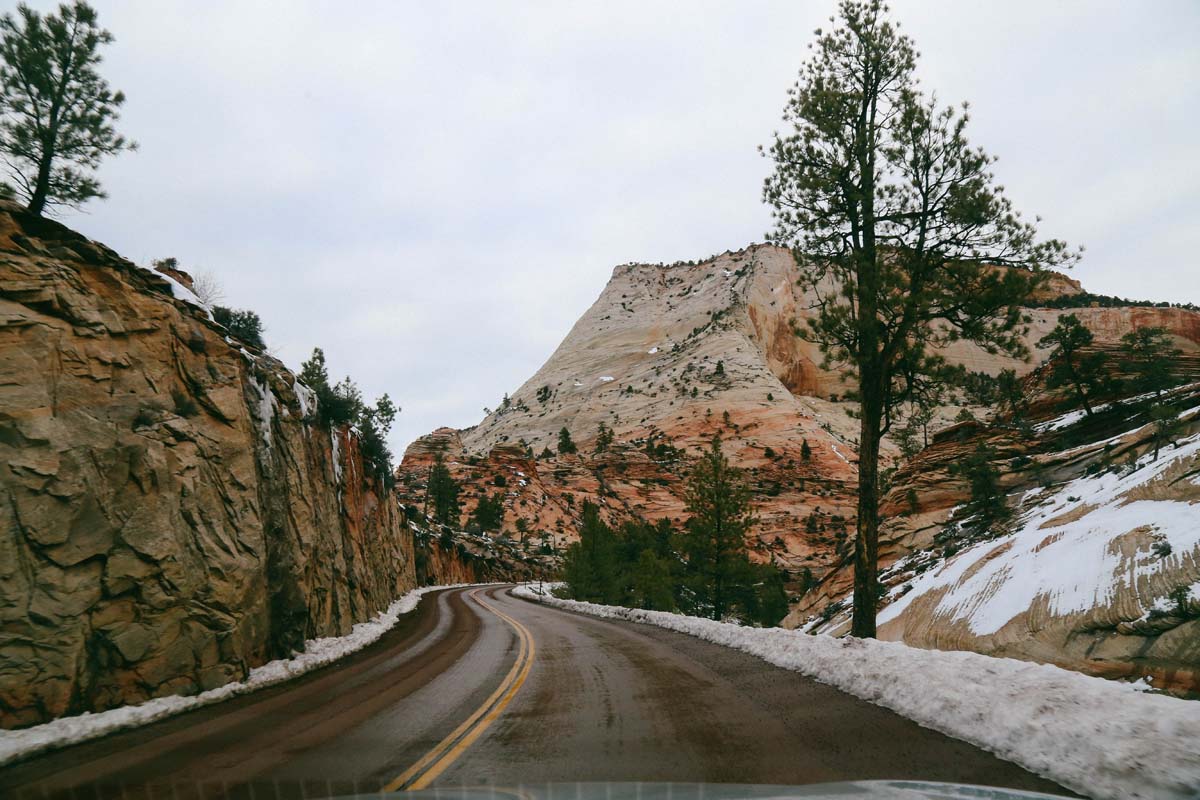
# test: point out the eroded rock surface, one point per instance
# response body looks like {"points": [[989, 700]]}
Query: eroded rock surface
{"points": [[170, 516]]}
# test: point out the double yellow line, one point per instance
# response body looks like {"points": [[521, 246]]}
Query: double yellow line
{"points": [[437, 760]]}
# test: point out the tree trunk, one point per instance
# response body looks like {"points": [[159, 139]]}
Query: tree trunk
{"points": [[866, 549], [1087, 405], [429, 493], [1079, 390], [41, 189]]}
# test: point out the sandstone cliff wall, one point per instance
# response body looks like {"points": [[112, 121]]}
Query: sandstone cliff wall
{"points": [[170, 516]]}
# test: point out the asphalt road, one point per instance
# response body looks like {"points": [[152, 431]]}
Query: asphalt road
{"points": [[477, 687]]}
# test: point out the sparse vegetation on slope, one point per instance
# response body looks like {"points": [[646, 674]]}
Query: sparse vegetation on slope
{"points": [[341, 405]]}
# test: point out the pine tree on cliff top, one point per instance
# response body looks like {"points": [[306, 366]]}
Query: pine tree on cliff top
{"points": [[1070, 363], [896, 227], [58, 113]]}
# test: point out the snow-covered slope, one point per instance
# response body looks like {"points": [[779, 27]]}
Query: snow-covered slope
{"points": [[1100, 570], [1068, 550]]}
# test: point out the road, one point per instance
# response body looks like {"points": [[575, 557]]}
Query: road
{"points": [[477, 687]]}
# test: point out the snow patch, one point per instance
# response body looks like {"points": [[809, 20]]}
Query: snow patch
{"points": [[539, 589], [1101, 738], [264, 410], [1073, 564], [317, 653], [253, 359], [336, 454], [181, 292], [1071, 417], [305, 396], [1066, 420]]}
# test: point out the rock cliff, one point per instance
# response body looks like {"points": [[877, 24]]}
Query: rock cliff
{"points": [[170, 513]]}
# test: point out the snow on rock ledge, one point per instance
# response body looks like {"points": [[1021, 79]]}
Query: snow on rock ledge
{"points": [[1098, 737], [1067, 551]]}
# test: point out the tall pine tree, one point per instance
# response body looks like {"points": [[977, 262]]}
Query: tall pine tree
{"points": [[590, 567], [443, 492], [900, 235], [718, 500]]}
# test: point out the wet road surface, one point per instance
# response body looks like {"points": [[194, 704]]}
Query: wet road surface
{"points": [[477, 687]]}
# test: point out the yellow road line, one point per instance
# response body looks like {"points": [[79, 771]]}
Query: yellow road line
{"points": [[437, 769], [437, 760], [409, 773]]}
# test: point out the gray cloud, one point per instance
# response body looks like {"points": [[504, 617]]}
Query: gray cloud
{"points": [[434, 195]]}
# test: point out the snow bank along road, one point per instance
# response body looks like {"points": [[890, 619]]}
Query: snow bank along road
{"points": [[478, 687]]}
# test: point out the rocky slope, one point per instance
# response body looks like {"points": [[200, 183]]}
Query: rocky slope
{"points": [[1098, 571], [666, 357], [170, 513]]}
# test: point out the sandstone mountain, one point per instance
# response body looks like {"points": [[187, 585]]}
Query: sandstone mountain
{"points": [[670, 355], [170, 513], [666, 357]]}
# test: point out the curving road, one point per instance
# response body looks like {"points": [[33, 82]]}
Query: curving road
{"points": [[478, 687]]}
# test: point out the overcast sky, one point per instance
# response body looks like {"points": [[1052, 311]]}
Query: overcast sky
{"points": [[434, 192]]}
